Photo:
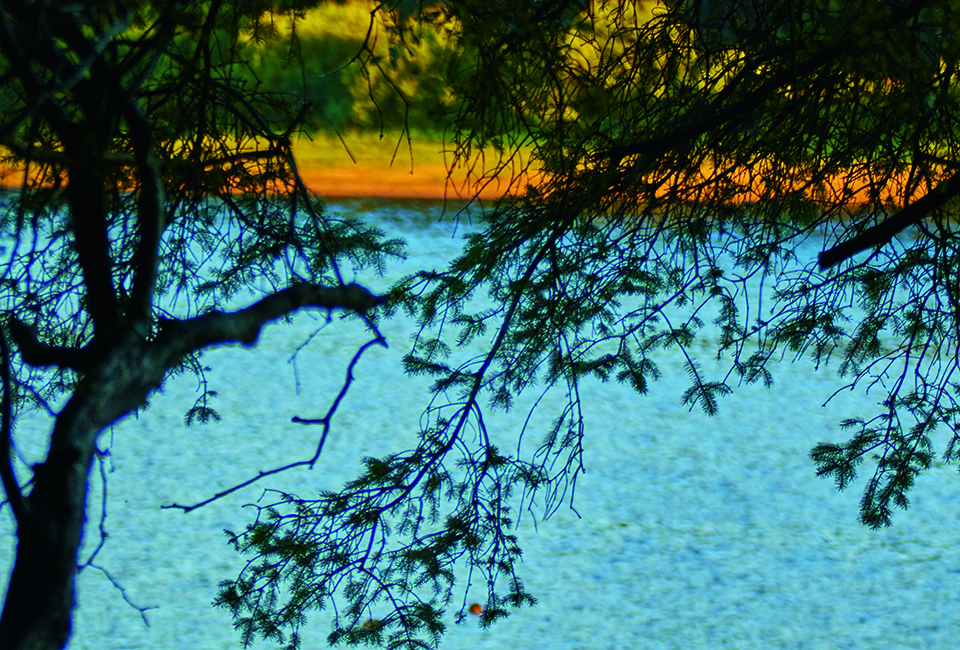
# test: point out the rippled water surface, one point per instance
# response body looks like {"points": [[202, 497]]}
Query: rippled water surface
{"points": [[697, 532]]}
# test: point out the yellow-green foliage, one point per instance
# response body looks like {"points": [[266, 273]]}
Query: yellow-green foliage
{"points": [[365, 68]]}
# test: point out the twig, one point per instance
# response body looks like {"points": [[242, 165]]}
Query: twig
{"points": [[325, 421], [101, 456], [123, 593]]}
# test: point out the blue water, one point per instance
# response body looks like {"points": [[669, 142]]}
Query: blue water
{"points": [[697, 532]]}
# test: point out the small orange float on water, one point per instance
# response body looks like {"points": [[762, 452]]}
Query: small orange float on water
{"points": [[476, 609]]}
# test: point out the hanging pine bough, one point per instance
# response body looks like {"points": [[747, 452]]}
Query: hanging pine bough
{"points": [[690, 152]]}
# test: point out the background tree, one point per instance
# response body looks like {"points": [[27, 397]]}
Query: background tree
{"points": [[158, 185], [694, 158]]}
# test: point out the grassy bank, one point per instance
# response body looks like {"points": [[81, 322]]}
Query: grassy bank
{"points": [[366, 165]]}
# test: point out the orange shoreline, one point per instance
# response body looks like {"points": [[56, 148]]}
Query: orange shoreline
{"points": [[363, 181], [365, 165], [368, 166], [368, 181]]}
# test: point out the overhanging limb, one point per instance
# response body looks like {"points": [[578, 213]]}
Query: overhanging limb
{"points": [[883, 232]]}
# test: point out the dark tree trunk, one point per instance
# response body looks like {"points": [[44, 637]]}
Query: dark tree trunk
{"points": [[41, 594], [40, 598]]}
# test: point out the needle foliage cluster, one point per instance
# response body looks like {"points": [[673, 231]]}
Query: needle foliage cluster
{"points": [[781, 171]]}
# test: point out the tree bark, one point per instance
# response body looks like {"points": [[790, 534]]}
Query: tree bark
{"points": [[41, 596], [39, 605]]}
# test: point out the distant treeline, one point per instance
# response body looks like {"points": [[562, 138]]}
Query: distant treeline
{"points": [[353, 83]]}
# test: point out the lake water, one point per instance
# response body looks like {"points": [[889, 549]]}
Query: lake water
{"points": [[697, 532]]}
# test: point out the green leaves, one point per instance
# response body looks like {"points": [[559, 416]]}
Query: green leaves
{"points": [[900, 457], [201, 412], [382, 549]]}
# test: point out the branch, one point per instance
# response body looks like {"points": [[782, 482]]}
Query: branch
{"points": [[325, 421], [150, 218], [123, 592], [217, 328], [34, 153], [238, 486], [42, 98], [883, 232], [24, 29], [39, 354], [718, 115], [737, 112], [11, 487], [103, 539]]}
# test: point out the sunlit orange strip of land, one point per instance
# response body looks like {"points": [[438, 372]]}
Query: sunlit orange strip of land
{"points": [[851, 191], [368, 166], [365, 165], [420, 170]]}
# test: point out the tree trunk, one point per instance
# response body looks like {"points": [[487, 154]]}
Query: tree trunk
{"points": [[41, 595], [119, 369], [40, 599]]}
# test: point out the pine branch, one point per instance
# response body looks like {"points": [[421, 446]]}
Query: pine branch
{"points": [[883, 232], [39, 354], [217, 328]]}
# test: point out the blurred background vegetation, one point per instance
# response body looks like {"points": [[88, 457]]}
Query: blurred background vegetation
{"points": [[353, 79]]}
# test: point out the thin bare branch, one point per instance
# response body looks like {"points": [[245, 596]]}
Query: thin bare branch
{"points": [[325, 421]]}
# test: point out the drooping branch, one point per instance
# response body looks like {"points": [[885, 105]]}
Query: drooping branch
{"points": [[883, 232], [142, 610], [719, 115], [243, 326]]}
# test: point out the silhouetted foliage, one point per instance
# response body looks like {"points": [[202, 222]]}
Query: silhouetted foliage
{"points": [[692, 159], [158, 186]]}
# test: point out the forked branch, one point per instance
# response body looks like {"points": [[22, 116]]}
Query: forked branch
{"points": [[325, 421]]}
